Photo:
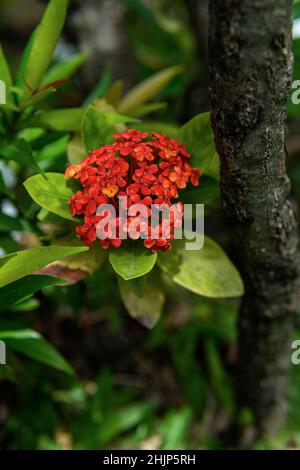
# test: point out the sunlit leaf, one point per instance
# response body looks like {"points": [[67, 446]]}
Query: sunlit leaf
{"points": [[21, 263], [43, 44], [147, 89], [99, 126], [76, 267], [5, 76], [51, 193], [68, 119], [207, 271]]}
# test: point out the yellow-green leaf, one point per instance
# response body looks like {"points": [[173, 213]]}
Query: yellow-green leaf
{"points": [[51, 193], [147, 89], [208, 271], [44, 43], [21, 263], [5, 76], [63, 120]]}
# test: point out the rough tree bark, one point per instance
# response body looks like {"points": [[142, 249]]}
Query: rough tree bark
{"points": [[250, 73]]}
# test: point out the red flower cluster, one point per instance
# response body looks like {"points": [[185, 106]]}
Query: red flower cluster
{"points": [[147, 169]]}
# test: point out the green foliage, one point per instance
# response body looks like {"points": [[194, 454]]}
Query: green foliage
{"points": [[18, 290], [21, 263], [96, 130], [33, 345], [132, 261], [62, 120], [8, 224], [21, 152], [143, 298], [198, 138], [52, 193], [135, 388], [99, 126], [100, 89], [208, 190], [6, 77], [147, 89], [64, 70], [207, 272], [44, 43]]}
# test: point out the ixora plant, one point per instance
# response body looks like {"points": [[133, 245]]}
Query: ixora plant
{"points": [[60, 165]]}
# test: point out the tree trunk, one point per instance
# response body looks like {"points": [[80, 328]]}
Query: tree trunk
{"points": [[250, 74]]}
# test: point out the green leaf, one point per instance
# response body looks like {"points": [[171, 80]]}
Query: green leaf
{"points": [[21, 263], [114, 93], [98, 127], [132, 261], [96, 130], [33, 345], [175, 428], [115, 118], [16, 291], [143, 298], [75, 149], [8, 223], [156, 126], [48, 217], [51, 193], [147, 89], [208, 190], [44, 42], [24, 61], [64, 70], [63, 120], [100, 89], [3, 188], [148, 108], [124, 419], [5, 76], [54, 151], [207, 272], [76, 267], [20, 151], [26, 305], [7, 243], [33, 100], [197, 136], [213, 169]]}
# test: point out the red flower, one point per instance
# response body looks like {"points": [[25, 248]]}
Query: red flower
{"points": [[147, 169]]}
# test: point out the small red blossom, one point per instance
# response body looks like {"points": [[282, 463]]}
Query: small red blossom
{"points": [[149, 169]]}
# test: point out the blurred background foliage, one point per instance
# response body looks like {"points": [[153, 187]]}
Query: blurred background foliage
{"points": [[171, 387]]}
